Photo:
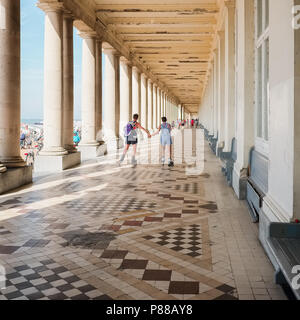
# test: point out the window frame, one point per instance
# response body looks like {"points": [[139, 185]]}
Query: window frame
{"points": [[261, 41]]}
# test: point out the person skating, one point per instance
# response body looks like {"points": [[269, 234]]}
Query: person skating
{"points": [[131, 138], [165, 140]]}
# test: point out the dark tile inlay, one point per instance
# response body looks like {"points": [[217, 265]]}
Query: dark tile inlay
{"points": [[133, 264], [184, 287], [133, 223], [8, 249], [172, 215], [225, 288], [114, 254], [157, 275]]}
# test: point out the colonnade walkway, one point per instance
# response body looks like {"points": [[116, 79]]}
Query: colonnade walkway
{"points": [[101, 231]]}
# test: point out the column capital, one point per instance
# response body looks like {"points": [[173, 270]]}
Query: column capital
{"points": [[68, 15], [107, 49], [230, 3], [124, 60], [51, 6], [99, 39], [136, 69], [88, 34]]}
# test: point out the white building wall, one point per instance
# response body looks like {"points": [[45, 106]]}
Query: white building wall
{"points": [[282, 201]]}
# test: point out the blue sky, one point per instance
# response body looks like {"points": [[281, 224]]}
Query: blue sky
{"points": [[32, 62]]}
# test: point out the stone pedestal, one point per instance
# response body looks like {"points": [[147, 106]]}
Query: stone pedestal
{"points": [[56, 163], [14, 178], [92, 152]]}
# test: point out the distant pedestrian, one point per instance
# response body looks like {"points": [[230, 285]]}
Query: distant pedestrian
{"points": [[76, 139]]}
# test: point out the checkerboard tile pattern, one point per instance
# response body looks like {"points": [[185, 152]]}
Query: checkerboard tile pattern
{"points": [[47, 280], [184, 240], [106, 232]]}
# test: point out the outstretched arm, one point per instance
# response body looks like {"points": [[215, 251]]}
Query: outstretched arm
{"points": [[157, 132], [147, 131]]}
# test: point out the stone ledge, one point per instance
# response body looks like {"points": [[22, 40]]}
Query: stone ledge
{"points": [[56, 163], [15, 178]]}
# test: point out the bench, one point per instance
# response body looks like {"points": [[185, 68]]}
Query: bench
{"points": [[284, 243], [257, 183], [228, 159], [206, 134], [213, 143]]}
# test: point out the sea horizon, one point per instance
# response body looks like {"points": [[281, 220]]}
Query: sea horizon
{"points": [[37, 120]]}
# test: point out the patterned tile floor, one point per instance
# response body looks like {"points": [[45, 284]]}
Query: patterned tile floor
{"points": [[106, 232]]}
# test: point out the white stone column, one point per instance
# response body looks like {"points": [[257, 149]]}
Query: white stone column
{"points": [[229, 104], [144, 100], [158, 106], [164, 104], [136, 90], [216, 96], [88, 90], [161, 104], [58, 92], [221, 89], [150, 104], [68, 83], [125, 92], [244, 94], [10, 83], [53, 82], [112, 98], [99, 109], [154, 106], [167, 106], [91, 145]]}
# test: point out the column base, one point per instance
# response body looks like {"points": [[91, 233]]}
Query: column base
{"points": [[14, 162], [114, 144], [15, 178], [54, 163], [239, 182], [70, 148], [89, 152]]}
